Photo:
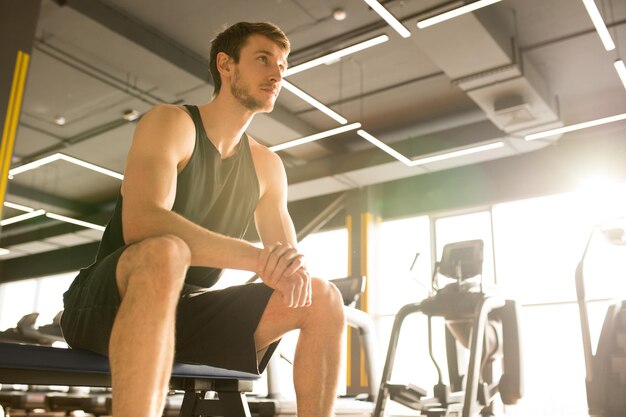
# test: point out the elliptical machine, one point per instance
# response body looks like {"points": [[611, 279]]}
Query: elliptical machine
{"points": [[605, 378], [478, 321]]}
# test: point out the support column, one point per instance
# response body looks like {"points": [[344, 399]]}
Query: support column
{"points": [[18, 20], [362, 219]]}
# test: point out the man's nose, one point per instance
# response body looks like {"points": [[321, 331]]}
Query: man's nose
{"points": [[276, 75]]}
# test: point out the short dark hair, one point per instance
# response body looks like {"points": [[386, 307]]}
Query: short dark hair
{"points": [[232, 39]]}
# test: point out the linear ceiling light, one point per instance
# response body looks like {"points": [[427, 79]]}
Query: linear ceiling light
{"points": [[36, 213], [455, 154], [598, 22], [4, 251], [389, 18], [326, 59], [314, 137], [60, 156], [621, 70], [455, 12], [22, 217], [313, 102], [75, 221], [584, 125], [384, 147], [414, 162], [18, 207]]}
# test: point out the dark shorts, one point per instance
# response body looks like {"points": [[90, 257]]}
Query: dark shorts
{"points": [[213, 327]]}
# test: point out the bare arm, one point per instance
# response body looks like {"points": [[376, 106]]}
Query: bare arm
{"points": [[287, 272], [162, 144]]}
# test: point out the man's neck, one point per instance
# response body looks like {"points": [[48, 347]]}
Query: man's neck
{"points": [[225, 121]]}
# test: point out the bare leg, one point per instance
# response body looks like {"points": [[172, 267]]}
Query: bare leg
{"points": [[141, 350], [318, 353]]}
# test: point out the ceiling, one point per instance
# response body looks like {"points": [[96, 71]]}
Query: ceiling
{"points": [[515, 67]]}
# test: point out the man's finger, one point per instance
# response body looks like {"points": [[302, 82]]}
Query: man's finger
{"points": [[295, 264], [272, 262], [283, 260]]}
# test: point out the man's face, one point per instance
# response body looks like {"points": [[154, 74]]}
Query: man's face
{"points": [[257, 78]]}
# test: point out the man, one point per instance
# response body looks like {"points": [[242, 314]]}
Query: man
{"points": [[193, 181]]}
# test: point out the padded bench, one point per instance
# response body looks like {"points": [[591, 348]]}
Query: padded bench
{"points": [[42, 365]]}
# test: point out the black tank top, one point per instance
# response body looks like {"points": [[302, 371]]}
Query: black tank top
{"points": [[218, 194]]}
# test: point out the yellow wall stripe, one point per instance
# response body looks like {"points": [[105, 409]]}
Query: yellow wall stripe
{"points": [[366, 223], [11, 119], [349, 331], [366, 220]]}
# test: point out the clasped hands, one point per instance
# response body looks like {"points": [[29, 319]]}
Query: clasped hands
{"points": [[282, 268]]}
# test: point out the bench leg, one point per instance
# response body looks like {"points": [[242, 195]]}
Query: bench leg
{"points": [[234, 404], [228, 404]]}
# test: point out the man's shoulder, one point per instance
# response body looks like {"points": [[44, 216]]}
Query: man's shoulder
{"points": [[166, 126], [262, 152], [169, 112]]}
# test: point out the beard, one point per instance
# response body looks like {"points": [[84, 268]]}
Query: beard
{"points": [[242, 93]]}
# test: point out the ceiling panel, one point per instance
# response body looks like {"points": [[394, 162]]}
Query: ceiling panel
{"points": [[91, 73]]}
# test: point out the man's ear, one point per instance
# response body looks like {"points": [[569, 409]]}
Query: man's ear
{"points": [[223, 62]]}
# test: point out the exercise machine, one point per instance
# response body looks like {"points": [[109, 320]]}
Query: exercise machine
{"points": [[25, 331], [605, 378], [479, 326]]}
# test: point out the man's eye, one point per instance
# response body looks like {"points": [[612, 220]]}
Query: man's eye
{"points": [[263, 59]]}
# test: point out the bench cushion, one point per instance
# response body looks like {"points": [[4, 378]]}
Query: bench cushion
{"points": [[49, 359]]}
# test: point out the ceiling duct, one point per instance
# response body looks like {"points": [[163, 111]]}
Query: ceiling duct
{"points": [[479, 54]]}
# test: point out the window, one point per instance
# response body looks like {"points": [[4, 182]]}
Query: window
{"points": [[18, 299], [403, 265], [41, 295], [540, 242], [402, 272], [50, 296]]}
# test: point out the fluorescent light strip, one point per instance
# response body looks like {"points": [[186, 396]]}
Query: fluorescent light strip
{"points": [[434, 158], [18, 207], [598, 22], [60, 156], [584, 125], [92, 167], [335, 55], [384, 147], [621, 70], [4, 251], [314, 137], [75, 221], [22, 217], [35, 164], [313, 102], [455, 12], [389, 18], [41, 212], [455, 154]]}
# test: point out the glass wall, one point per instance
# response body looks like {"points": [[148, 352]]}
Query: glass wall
{"points": [[532, 248]]}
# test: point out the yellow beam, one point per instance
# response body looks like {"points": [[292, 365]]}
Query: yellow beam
{"points": [[11, 120]]}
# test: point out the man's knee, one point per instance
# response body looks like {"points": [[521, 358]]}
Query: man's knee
{"points": [[329, 302], [157, 263]]}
